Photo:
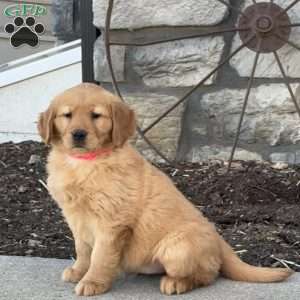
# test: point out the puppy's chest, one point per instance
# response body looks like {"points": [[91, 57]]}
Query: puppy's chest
{"points": [[77, 195], [99, 193], [71, 187]]}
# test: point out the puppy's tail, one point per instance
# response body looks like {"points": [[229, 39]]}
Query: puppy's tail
{"points": [[235, 269]]}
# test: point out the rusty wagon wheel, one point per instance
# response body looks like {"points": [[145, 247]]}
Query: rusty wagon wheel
{"points": [[263, 27]]}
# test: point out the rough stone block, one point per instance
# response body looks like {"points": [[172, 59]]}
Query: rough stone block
{"points": [[270, 117], [205, 153], [284, 157], [102, 73], [177, 64], [166, 133], [144, 13]]}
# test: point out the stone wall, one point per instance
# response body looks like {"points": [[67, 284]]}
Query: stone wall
{"points": [[154, 77]]}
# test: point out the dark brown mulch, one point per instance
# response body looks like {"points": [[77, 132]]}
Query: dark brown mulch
{"points": [[255, 207]]}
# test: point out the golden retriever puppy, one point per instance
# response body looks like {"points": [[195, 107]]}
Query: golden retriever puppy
{"points": [[124, 213]]}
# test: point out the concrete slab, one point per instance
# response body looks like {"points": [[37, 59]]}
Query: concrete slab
{"points": [[25, 278]]}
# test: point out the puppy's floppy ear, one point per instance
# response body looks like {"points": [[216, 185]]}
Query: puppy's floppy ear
{"points": [[45, 125], [124, 124]]}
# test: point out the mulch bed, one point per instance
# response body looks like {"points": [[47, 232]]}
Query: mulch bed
{"points": [[256, 207]]}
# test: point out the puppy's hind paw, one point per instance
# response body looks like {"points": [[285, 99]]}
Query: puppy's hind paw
{"points": [[170, 286], [72, 275], [90, 288]]}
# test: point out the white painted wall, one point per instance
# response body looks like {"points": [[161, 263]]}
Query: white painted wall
{"points": [[22, 100]]}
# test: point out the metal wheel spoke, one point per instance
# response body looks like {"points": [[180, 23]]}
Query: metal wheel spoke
{"points": [[291, 25], [118, 92], [198, 84], [107, 46], [270, 6], [288, 42], [206, 32], [114, 81], [288, 7], [233, 8], [256, 8], [287, 82], [153, 147], [250, 82]]}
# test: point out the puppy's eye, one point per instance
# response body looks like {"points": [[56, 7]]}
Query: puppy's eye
{"points": [[95, 115], [68, 115]]}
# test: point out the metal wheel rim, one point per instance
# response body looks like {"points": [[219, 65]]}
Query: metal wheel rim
{"points": [[253, 36]]}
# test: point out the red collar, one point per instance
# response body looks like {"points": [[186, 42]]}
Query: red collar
{"points": [[92, 155]]}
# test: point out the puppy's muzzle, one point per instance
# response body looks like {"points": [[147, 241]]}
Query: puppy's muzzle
{"points": [[79, 136]]}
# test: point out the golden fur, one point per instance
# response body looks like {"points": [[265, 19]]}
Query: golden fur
{"points": [[124, 213]]}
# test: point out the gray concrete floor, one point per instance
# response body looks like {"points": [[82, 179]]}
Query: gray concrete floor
{"points": [[25, 278]]}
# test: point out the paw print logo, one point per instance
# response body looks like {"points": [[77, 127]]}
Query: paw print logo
{"points": [[24, 32]]}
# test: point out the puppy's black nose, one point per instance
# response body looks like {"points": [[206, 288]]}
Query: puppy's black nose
{"points": [[79, 135]]}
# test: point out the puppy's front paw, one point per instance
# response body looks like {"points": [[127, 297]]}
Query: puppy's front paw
{"points": [[90, 288], [72, 275]]}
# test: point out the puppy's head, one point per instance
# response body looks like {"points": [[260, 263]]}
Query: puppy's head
{"points": [[86, 118]]}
